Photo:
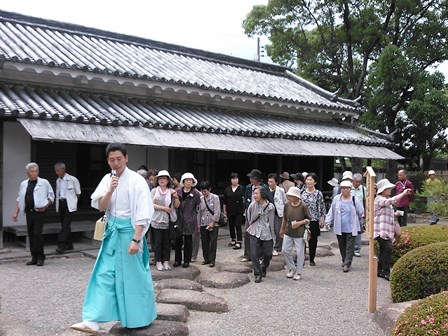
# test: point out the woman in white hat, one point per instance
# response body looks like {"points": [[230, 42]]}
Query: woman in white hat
{"points": [[384, 224], [432, 180], [165, 200], [295, 217], [190, 199], [345, 214]]}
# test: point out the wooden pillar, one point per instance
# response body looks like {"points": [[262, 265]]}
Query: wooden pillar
{"points": [[369, 216]]}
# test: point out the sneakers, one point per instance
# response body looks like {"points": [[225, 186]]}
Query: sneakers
{"points": [[274, 253], [290, 273], [357, 254], [296, 276]]}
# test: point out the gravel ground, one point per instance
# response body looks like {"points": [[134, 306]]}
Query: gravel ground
{"points": [[45, 301]]}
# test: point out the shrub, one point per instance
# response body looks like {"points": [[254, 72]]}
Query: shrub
{"points": [[425, 317], [420, 273], [417, 236], [437, 194]]}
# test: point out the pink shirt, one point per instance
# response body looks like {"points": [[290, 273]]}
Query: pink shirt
{"points": [[384, 219]]}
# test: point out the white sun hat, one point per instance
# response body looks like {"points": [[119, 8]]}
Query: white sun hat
{"points": [[383, 185]]}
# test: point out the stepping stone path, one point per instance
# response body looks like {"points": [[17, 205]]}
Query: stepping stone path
{"points": [[157, 328], [194, 300], [243, 268], [223, 280], [323, 252], [189, 273], [277, 265], [172, 312], [177, 284]]}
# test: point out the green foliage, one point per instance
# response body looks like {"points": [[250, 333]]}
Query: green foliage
{"points": [[420, 273], [416, 236], [425, 317], [375, 49], [437, 194]]}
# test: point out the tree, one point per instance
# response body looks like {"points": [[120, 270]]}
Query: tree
{"points": [[373, 49]]}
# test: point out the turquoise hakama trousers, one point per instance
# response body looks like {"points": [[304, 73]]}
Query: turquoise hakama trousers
{"points": [[120, 287]]}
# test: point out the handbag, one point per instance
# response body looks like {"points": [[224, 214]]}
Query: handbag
{"points": [[397, 231], [222, 221], [176, 224], [100, 228], [307, 233]]}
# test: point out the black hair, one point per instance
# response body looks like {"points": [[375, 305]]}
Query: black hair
{"points": [[144, 167], [177, 176], [234, 175], [205, 185], [273, 176], [116, 146], [313, 176]]}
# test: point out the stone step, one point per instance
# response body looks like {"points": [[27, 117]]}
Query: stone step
{"points": [[238, 268], [189, 273], [193, 300], [386, 315], [172, 312], [177, 284], [157, 328], [223, 280]]}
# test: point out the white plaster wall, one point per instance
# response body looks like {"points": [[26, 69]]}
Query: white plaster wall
{"points": [[157, 158], [16, 154]]}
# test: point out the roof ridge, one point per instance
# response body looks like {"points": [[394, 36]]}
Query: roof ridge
{"points": [[141, 41]]}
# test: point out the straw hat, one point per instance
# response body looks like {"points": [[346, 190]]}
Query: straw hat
{"points": [[188, 176], [294, 191], [285, 175], [333, 182], [383, 185]]}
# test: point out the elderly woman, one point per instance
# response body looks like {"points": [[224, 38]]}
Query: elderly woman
{"points": [[190, 199], [384, 224], [209, 212], [260, 217], [346, 214], [165, 200], [314, 200], [296, 216]]}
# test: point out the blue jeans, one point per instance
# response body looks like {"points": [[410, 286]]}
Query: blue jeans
{"points": [[358, 243]]}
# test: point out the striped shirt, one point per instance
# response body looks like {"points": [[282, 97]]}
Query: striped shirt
{"points": [[384, 218]]}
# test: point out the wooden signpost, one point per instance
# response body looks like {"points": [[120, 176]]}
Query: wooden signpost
{"points": [[369, 215]]}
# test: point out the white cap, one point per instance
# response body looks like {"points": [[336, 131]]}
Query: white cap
{"points": [[345, 184], [347, 175], [431, 172]]}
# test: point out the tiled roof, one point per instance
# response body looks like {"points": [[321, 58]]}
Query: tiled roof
{"points": [[89, 108], [30, 40]]}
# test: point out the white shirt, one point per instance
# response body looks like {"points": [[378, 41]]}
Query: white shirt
{"points": [[69, 188], [131, 198]]}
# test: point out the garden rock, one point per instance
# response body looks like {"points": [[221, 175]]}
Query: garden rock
{"points": [[223, 280], [188, 273], [243, 268], [172, 312], [386, 315], [193, 300], [157, 328], [323, 252], [177, 284]]}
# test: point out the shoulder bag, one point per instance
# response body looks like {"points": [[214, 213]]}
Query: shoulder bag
{"points": [[176, 225], [222, 221]]}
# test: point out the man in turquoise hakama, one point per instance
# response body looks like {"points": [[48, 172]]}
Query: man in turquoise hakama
{"points": [[120, 287]]}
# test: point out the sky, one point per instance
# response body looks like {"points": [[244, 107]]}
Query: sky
{"points": [[210, 25]]}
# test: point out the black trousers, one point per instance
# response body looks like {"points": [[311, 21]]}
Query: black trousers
{"points": [[312, 243], [34, 224], [235, 222], [209, 241], [185, 241], [346, 243], [403, 220], [384, 255], [260, 249], [162, 246], [64, 236]]}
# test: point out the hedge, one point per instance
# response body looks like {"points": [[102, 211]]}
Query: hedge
{"points": [[417, 236], [425, 317], [420, 273]]}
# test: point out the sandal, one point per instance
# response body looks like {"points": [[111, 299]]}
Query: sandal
{"points": [[237, 246], [232, 243]]}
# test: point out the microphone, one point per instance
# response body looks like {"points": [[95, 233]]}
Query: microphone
{"points": [[113, 173]]}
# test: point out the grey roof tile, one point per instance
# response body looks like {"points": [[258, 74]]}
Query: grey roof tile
{"points": [[37, 41], [85, 107]]}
